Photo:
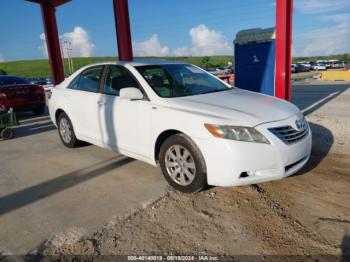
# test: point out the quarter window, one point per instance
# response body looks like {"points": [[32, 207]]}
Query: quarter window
{"points": [[74, 83], [118, 78]]}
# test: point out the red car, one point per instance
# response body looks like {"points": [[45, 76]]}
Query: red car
{"points": [[19, 94]]}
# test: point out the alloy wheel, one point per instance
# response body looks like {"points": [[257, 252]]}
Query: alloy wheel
{"points": [[65, 130], [180, 165]]}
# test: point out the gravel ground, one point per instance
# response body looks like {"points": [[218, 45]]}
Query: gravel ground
{"points": [[306, 214]]}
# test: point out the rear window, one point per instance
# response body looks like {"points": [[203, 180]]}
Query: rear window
{"points": [[12, 80]]}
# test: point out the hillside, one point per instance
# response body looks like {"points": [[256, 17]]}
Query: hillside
{"points": [[36, 68]]}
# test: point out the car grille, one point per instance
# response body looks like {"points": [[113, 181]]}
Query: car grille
{"points": [[289, 135]]}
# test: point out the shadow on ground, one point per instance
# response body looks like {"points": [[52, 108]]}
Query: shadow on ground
{"points": [[34, 128], [28, 124], [34, 193], [322, 142], [345, 247]]}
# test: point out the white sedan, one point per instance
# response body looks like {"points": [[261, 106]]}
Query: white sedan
{"points": [[200, 130]]}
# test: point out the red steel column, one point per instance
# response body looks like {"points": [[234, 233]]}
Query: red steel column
{"points": [[52, 41], [284, 14], [122, 25]]}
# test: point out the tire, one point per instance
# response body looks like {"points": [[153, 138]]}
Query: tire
{"points": [[182, 164], [7, 133], [66, 131], [39, 111]]}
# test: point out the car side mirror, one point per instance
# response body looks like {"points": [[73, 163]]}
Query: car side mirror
{"points": [[131, 93]]}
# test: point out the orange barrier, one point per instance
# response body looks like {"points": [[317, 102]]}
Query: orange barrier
{"points": [[228, 78], [335, 76]]}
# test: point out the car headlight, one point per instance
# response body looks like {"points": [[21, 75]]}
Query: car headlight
{"points": [[238, 133]]}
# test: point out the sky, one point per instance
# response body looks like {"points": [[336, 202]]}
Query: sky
{"points": [[171, 28]]}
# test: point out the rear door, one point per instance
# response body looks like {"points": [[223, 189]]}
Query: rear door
{"points": [[83, 99]]}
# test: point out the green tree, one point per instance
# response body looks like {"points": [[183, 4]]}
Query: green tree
{"points": [[345, 57], [205, 62], [3, 72]]}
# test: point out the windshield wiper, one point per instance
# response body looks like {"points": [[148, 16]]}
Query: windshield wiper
{"points": [[214, 91]]}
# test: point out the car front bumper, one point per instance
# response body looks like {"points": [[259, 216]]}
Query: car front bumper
{"points": [[228, 160]]}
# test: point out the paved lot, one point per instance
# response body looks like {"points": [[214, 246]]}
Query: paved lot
{"points": [[46, 188]]}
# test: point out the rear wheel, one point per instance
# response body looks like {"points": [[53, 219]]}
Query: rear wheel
{"points": [[7, 133], [182, 164], [66, 131], [39, 110]]}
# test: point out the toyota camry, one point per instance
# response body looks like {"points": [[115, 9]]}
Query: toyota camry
{"points": [[200, 130]]}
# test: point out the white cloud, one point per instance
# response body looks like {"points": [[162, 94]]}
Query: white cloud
{"points": [[325, 41], [320, 6], [43, 47], [2, 58], [150, 47], [80, 43], [205, 42]]}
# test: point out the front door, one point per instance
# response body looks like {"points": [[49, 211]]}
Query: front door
{"points": [[126, 123]]}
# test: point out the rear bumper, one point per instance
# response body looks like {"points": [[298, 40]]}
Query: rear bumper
{"points": [[228, 160], [24, 105]]}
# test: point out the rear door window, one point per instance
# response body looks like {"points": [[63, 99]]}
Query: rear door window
{"points": [[88, 81]]}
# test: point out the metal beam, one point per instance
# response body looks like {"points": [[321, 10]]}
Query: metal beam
{"points": [[60, 2], [122, 25], [52, 41], [53, 2], [284, 14]]}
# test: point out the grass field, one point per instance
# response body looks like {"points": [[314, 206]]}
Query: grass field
{"points": [[36, 68]]}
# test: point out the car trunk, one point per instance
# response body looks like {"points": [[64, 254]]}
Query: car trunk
{"points": [[21, 96], [20, 92]]}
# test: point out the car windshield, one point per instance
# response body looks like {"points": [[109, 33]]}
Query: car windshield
{"points": [[176, 80], [12, 80]]}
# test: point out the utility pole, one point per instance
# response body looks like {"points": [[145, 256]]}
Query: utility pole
{"points": [[62, 54], [67, 47]]}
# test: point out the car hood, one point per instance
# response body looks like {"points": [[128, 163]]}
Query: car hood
{"points": [[236, 107]]}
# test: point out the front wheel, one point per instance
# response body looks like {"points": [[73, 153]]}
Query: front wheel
{"points": [[182, 164]]}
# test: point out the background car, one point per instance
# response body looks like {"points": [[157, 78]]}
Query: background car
{"points": [[19, 94], [304, 67], [317, 66], [43, 81], [298, 68]]}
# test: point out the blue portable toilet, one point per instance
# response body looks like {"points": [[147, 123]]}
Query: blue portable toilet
{"points": [[255, 60]]}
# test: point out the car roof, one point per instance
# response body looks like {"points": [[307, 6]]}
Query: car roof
{"points": [[11, 76], [141, 62]]}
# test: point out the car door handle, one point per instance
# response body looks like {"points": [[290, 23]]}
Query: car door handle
{"points": [[100, 103]]}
